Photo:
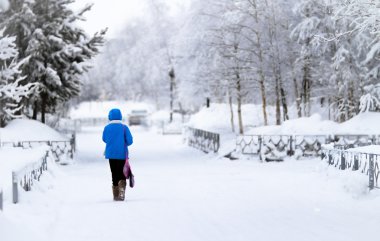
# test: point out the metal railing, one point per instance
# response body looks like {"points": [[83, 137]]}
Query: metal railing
{"points": [[203, 140], [279, 146], [25, 176], [57, 148], [365, 163]]}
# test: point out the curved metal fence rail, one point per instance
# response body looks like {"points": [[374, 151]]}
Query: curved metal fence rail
{"points": [[203, 140], [365, 163], [26, 176], [278, 146]]}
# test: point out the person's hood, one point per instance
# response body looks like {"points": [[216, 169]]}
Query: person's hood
{"points": [[115, 114]]}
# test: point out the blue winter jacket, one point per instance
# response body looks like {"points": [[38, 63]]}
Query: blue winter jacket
{"points": [[117, 137]]}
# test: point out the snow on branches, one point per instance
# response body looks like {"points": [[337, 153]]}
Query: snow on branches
{"points": [[58, 51], [12, 91]]}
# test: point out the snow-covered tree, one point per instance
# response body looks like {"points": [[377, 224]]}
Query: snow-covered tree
{"points": [[57, 48], [311, 14], [12, 92]]}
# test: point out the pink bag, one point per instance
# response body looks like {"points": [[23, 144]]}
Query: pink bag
{"points": [[128, 173]]}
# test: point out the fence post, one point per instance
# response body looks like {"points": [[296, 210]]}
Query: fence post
{"points": [[72, 144], [356, 163], [330, 155], [291, 151], [15, 187], [217, 143], [342, 161], [1, 199], [371, 172], [260, 146]]}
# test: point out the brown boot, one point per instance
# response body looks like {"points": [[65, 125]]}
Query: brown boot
{"points": [[115, 191], [122, 185]]}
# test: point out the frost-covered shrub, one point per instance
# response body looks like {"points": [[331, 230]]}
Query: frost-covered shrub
{"points": [[370, 101]]}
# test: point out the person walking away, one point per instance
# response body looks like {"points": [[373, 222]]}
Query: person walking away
{"points": [[117, 137]]}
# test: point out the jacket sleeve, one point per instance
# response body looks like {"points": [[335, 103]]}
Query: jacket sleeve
{"points": [[128, 136], [104, 137]]}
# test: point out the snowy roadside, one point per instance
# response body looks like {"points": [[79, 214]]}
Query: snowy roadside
{"points": [[217, 119], [13, 159], [182, 194]]}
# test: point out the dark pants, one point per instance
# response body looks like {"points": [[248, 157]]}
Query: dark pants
{"points": [[117, 170]]}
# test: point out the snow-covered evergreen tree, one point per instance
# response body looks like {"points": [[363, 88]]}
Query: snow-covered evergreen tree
{"points": [[59, 50], [358, 53], [12, 92], [312, 13]]}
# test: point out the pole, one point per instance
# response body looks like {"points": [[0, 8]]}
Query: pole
{"points": [[14, 187]]}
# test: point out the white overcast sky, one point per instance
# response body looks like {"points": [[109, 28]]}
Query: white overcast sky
{"points": [[112, 14]]}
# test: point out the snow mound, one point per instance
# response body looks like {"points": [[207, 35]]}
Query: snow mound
{"points": [[217, 119], [313, 125], [214, 118], [364, 123], [29, 130]]}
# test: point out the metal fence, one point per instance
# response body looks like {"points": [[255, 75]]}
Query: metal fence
{"points": [[57, 148], [25, 176], [203, 140], [275, 147], [363, 162]]}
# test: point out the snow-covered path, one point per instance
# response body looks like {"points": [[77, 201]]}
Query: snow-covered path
{"points": [[182, 194]]}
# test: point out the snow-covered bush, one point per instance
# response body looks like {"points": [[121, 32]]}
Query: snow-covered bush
{"points": [[370, 101]]}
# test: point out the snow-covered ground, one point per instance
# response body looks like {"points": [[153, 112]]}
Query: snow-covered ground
{"points": [[217, 119], [182, 194]]}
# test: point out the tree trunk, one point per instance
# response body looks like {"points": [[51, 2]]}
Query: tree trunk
{"points": [[35, 110], [231, 112], [278, 108], [172, 80], [306, 86], [2, 116], [296, 94], [261, 64], [283, 101], [43, 106], [239, 102], [263, 97]]}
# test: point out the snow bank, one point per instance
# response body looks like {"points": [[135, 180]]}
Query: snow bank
{"points": [[364, 123], [217, 119], [313, 125], [29, 130], [12, 159]]}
